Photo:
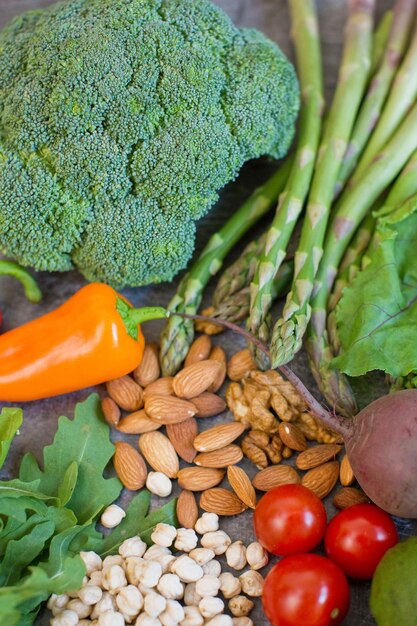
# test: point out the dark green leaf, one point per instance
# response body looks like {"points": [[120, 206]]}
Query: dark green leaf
{"points": [[10, 422], [85, 441], [18, 508], [17, 488], [377, 315], [393, 591], [21, 552], [138, 521]]}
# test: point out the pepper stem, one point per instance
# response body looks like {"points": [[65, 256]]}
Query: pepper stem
{"points": [[32, 291]]}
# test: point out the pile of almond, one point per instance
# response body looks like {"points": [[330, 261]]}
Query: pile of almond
{"points": [[278, 423]]}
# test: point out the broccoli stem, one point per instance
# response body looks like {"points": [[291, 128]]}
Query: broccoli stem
{"points": [[178, 333], [307, 47], [353, 74], [353, 208], [30, 286], [235, 308], [370, 111]]}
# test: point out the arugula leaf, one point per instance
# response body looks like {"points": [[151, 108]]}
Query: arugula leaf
{"points": [[84, 441], [10, 422], [393, 591], [17, 508], [138, 521], [17, 488], [66, 489], [377, 315], [21, 552]]}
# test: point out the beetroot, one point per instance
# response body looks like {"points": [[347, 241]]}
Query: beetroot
{"points": [[381, 443], [382, 448]]}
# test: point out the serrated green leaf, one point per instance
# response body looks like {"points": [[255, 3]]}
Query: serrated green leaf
{"points": [[377, 315], [10, 422], [17, 488], [21, 552], [84, 440], [18, 508], [138, 521], [393, 593]]}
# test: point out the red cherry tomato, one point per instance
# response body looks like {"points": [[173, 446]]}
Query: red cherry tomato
{"points": [[290, 520], [305, 590], [358, 537]]}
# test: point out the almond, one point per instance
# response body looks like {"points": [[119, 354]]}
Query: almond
{"points": [[208, 404], [292, 436], [130, 466], [219, 355], [160, 453], [322, 479], [127, 394], [347, 477], [160, 387], [317, 455], [206, 326], [199, 350], [199, 478], [182, 436], [187, 509], [111, 411], [230, 455], [218, 436], [241, 485], [240, 365], [222, 502], [194, 379], [137, 423], [148, 370], [168, 409], [348, 496], [274, 476]]}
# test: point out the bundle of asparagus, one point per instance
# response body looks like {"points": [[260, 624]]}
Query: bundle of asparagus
{"points": [[352, 174]]}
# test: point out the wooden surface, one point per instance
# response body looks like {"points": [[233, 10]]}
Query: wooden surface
{"points": [[270, 16]]}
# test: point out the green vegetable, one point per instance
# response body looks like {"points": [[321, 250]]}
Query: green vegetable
{"points": [[178, 333], [393, 592], [139, 113], [381, 304], [49, 515], [369, 114], [307, 46], [10, 422], [289, 330]]}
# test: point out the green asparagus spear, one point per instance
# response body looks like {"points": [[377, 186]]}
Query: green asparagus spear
{"points": [[235, 308], [353, 208], [289, 330], [307, 46], [178, 332], [240, 273], [402, 96], [379, 40], [370, 111]]}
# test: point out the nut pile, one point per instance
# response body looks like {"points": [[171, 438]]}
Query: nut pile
{"points": [[154, 587], [263, 403]]}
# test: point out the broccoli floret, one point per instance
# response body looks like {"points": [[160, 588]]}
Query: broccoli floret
{"points": [[120, 121]]}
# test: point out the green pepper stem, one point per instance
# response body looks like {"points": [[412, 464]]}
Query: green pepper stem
{"points": [[32, 291]]}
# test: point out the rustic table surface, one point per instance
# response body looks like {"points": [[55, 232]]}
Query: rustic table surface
{"points": [[270, 16]]}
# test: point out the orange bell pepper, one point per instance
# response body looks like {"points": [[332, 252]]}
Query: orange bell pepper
{"points": [[93, 337]]}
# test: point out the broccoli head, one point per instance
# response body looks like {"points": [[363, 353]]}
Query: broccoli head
{"points": [[120, 121]]}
